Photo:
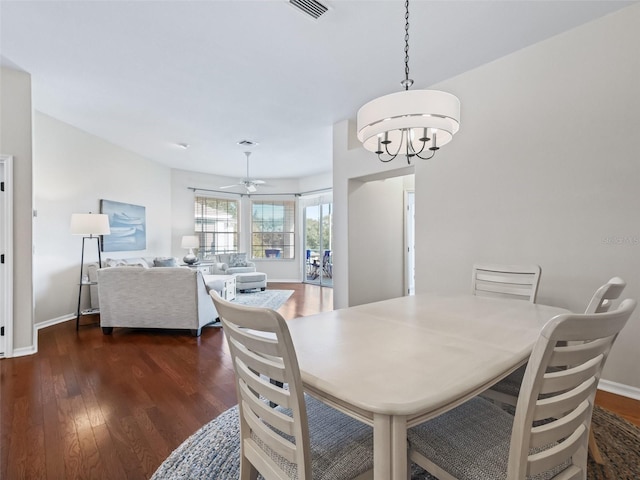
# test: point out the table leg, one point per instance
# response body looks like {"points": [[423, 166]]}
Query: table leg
{"points": [[389, 447]]}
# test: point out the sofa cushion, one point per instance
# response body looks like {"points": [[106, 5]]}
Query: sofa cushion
{"points": [[165, 262], [127, 262], [238, 260]]}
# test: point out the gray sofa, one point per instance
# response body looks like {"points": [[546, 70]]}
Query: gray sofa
{"points": [[169, 297], [92, 271], [223, 265]]}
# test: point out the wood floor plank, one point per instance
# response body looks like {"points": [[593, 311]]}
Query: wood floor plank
{"points": [[18, 446], [53, 451], [113, 407], [69, 439]]}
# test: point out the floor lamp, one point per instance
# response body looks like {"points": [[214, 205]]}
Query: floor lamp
{"points": [[88, 225]]}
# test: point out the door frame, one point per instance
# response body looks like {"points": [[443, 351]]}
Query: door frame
{"points": [[6, 295], [409, 242]]}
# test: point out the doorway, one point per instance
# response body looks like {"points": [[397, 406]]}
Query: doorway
{"points": [[318, 220]]}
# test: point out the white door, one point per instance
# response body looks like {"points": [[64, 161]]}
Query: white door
{"points": [[6, 262], [3, 286]]}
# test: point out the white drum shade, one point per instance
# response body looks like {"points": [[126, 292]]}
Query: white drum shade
{"points": [[409, 111], [90, 224]]}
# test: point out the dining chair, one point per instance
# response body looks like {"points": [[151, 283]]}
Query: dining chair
{"points": [[301, 437], [506, 391], [547, 438], [506, 281]]}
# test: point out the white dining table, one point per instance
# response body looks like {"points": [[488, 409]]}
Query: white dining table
{"points": [[396, 363]]}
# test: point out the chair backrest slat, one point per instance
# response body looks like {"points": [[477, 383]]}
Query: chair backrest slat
{"points": [[268, 437], [508, 281], [559, 405], [268, 365], [563, 398], [260, 385], [547, 433], [578, 353], [558, 454], [569, 378], [263, 344]]}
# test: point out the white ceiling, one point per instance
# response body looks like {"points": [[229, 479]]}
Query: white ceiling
{"points": [[147, 75]]}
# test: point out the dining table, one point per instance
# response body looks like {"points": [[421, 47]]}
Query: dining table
{"points": [[396, 363]]}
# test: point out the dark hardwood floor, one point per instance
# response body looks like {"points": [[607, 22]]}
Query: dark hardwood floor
{"points": [[92, 406]]}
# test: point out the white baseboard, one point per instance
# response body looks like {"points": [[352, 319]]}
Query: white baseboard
{"points": [[21, 352], [55, 321], [33, 349], [619, 389]]}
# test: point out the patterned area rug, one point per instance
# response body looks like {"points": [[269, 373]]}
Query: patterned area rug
{"points": [[272, 299], [214, 450]]}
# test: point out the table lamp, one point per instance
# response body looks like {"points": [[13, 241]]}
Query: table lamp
{"points": [[190, 242]]}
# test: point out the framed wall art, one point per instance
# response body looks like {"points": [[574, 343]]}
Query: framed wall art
{"points": [[128, 226]]}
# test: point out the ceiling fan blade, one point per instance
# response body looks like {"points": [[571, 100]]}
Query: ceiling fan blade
{"points": [[251, 188], [231, 186], [258, 182]]}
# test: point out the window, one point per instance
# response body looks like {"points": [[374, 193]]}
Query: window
{"points": [[216, 225], [273, 229]]}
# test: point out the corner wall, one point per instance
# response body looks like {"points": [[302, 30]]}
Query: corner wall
{"points": [[544, 170], [15, 140], [73, 170], [357, 222]]}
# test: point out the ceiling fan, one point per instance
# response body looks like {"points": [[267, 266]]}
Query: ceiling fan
{"points": [[248, 183]]}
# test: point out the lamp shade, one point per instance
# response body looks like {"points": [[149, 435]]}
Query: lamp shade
{"points": [[190, 241], [414, 109], [90, 224]]}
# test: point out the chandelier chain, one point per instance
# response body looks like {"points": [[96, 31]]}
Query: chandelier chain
{"points": [[407, 83]]}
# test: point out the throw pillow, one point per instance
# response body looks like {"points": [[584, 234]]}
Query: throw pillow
{"points": [[238, 260], [164, 262]]}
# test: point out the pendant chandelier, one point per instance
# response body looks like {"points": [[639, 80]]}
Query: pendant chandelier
{"points": [[413, 123]]}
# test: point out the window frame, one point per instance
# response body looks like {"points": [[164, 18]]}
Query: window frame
{"points": [[204, 251], [287, 249]]}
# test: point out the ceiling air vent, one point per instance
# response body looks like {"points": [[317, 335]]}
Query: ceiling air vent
{"points": [[310, 7]]}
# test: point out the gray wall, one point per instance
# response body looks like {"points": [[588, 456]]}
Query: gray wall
{"points": [[73, 170], [15, 140], [545, 170], [376, 259]]}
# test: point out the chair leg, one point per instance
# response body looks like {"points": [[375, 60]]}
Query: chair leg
{"points": [[594, 451], [247, 470]]}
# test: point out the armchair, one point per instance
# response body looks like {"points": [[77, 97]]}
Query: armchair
{"points": [[231, 263]]}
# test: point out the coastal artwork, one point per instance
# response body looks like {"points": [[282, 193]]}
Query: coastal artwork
{"points": [[128, 227]]}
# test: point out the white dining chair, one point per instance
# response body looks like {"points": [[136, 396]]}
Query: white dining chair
{"points": [[506, 391], [506, 281], [548, 437], [301, 438]]}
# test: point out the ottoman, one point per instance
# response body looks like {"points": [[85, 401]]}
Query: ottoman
{"points": [[250, 280]]}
